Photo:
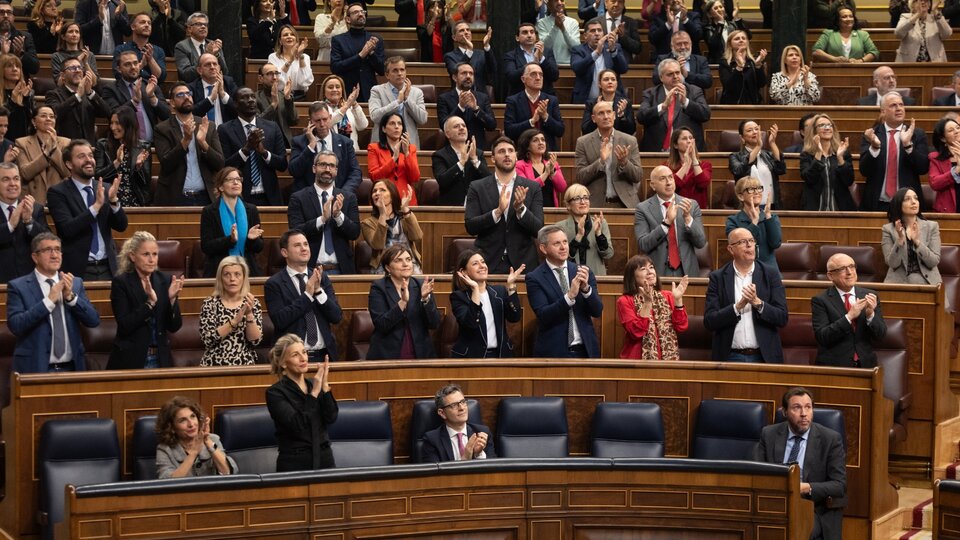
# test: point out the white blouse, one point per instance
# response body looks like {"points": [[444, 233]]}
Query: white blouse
{"points": [[302, 77]]}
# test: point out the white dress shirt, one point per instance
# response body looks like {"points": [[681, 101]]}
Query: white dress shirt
{"points": [[45, 289], [323, 257], [744, 334], [319, 297]]}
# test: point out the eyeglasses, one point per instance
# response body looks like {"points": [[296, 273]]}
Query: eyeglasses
{"points": [[6, 13], [48, 250], [746, 242], [73, 68], [181, 95], [753, 190], [322, 165], [455, 404], [203, 24], [843, 269], [580, 199], [824, 126], [233, 180]]}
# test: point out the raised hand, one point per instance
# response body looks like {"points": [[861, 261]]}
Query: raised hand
{"points": [[761, 57], [254, 232], [685, 206], [467, 281], [871, 304], [514, 275], [597, 222], [233, 234], [487, 37], [176, 286], [202, 130], [870, 135], [504, 201], [519, 196], [472, 149], [906, 136], [152, 83], [606, 147], [148, 288], [336, 205], [621, 151], [313, 284], [426, 289], [679, 287], [405, 200], [842, 149], [901, 234]]}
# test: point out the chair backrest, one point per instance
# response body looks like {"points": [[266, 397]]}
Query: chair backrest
{"points": [[197, 261], [429, 92], [705, 259], [826, 417], [145, 448], [797, 138], [249, 437], [98, 343], [171, 258], [938, 92], [362, 256], [532, 427], [446, 336], [457, 246], [928, 196], [186, 346], [730, 140], [364, 190], [362, 436], [949, 267], [892, 355], [697, 342], [408, 54], [275, 260], [863, 256], [797, 260], [728, 197], [727, 429], [798, 341], [424, 418], [360, 331], [429, 192], [855, 193], [627, 430], [76, 451], [904, 92]]}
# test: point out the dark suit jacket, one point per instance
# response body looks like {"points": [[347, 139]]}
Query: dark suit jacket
{"points": [[173, 161], [201, 104], [129, 303], [516, 118], [836, 339], [76, 119], [693, 116], [699, 73], [472, 339], [946, 101], [721, 318], [216, 245], [118, 94], [72, 218], [660, 33], [29, 320], [548, 303], [454, 182], [187, 59], [168, 31], [740, 165], [288, 309], [437, 447], [824, 467], [513, 63], [284, 114], [479, 121], [814, 173], [630, 38], [713, 37], [91, 28], [302, 214], [516, 236], [626, 123], [742, 87], [582, 63], [15, 246], [233, 137], [345, 61], [870, 100], [348, 169], [484, 66], [911, 167], [301, 421], [389, 323]]}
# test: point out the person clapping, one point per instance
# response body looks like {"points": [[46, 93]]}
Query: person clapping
{"points": [[651, 318]]}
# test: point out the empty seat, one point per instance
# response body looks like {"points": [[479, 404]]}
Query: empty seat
{"points": [[728, 197], [362, 436], [364, 190], [705, 259], [249, 437], [904, 92], [98, 343], [938, 92], [446, 335], [863, 256], [826, 417], [892, 356], [798, 341], [186, 347], [730, 140], [424, 418], [797, 260], [532, 427], [627, 430], [170, 257], [362, 254], [360, 331], [429, 192], [408, 54], [145, 448], [697, 342], [429, 92], [727, 429], [456, 247]]}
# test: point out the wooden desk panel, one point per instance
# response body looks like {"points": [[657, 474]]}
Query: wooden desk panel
{"points": [[946, 510]]}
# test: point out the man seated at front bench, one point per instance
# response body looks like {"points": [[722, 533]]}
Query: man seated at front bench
{"points": [[456, 439]]}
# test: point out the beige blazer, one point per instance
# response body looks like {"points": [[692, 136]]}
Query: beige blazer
{"points": [[910, 38], [39, 172], [375, 234], [596, 259], [928, 253], [591, 172]]}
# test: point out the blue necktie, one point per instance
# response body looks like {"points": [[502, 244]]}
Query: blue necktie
{"points": [[254, 162], [212, 113], [795, 451], [396, 95], [95, 242], [327, 227]]}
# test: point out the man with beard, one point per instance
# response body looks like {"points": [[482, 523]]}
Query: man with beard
{"points": [[76, 102], [190, 155], [599, 52], [357, 55], [484, 64], [83, 217], [328, 216], [533, 108], [458, 164], [213, 92], [143, 96], [15, 42], [255, 146], [275, 102], [529, 49], [608, 162], [318, 137], [505, 211], [473, 107], [152, 57], [693, 67]]}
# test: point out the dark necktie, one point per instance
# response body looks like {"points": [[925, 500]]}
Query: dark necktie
{"points": [[565, 287], [141, 114], [311, 318], [847, 302], [327, 227], [254, 162], [212, 113], [59, 331], [95, 241], [10, 210], [795, 451]]}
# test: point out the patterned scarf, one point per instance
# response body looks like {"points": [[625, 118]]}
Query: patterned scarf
{"points": [[660, 342]]}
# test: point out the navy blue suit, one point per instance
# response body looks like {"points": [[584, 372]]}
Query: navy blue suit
{"points": [[514, 61], [15, 246], [721, 318], [389, 323], [484, 66], [479, 121], [233, 137], [472, 338], [288, 308], [72, 218], [516, 118], [302, 214], [437, 446], [910, 168], [228, 111], [582, 63], [547, 300], [345, 61], [301, 163], [29, 320]]}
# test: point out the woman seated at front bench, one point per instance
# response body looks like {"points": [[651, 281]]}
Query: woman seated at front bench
{"points": [[185, 445]]}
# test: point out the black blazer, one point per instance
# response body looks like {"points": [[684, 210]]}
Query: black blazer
{"points": [[348, 169], [740, 167], [484, 66], [263, 35], [699, 73], [713, 37], [389, 323], [345, 61], [233, 137], [118, 94], [288, 308], [133, 315], [814, 173], [626, 123], [15, 246], [516, 236], [516, 118], [836, 340], [426, 40], [742, 87], [472, 339], [201, 105], [946, 101], [513, 63], [454, 182], [911, 167], [478, 121], [693, 116], [139, 179], [216, 245], [72, 218], [91, 28], [301, 421], [437, 447], [75, 120], [660, 33], [302, 214]]}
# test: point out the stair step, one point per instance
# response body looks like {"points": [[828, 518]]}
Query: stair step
{"points": [[914, 534]]}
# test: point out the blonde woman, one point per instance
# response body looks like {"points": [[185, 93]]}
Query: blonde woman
{"points": [[795, 83], [346, 115], [588, 235], [742, 75], [921, 33], [44, 25], [757, 218], [826, 168], [231, 321], [292, 61]]}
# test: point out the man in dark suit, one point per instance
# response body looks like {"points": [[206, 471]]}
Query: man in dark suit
{"points": [[505, 211], [90, 16], [529, 49], [144, 97], [847, 320], [45, 309], [598, 48], [86, 212], [76, 103], [546, 117], [457, 439], [565, 299], [694, 67], [671, 105], [190, 155], [484, 62], [357, 55], [627, 29], [213, 92], [303, 303], [319, 137], [885, 81], [188, 51], [746, 304], [672, 18], [458, 164], [329, 216], [887, 171], [950, 100], [255, 146], [20, 43], [588, 9], [471, 105], [818, 450], [21, 220]]}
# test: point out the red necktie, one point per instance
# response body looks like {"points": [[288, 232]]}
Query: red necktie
{"points": [[294, 16], [892, 166], [460, 445], [673, 249], [670, 109], [853, 324]]}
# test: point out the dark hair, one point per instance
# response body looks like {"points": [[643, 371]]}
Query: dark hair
{"points": [[4, 111], [531, 25], [141, 14], [593, 21], [392, 253], [444, 392], [61, 42], [674, 158], [381, 129], [68, 151], [462, 262], [503, 140], [166, 418], [32, 129], [792, 393], [523, 143], [284, 240], [803, 121], [127, 119], [836, 16], [318, 106], [895, 212], [44, 236], [743, 123], [221, 177], [939, 132], [629, 281], [394, 197]]}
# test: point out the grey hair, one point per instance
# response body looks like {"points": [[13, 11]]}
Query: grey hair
{"points": [[197, 15], [663, 64], [325, 153], [544, 233], [444, 392]]}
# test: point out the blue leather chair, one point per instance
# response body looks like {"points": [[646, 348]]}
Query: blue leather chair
{"points": [[727, 429], [532, 427], [145, 448], [362, 436], [826, 417], [622, 430], [249, 437], [425, 418], [78, 451]]}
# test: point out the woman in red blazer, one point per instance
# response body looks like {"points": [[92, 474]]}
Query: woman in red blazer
{"points": [[651, 318], [944, 163], [394, 158]]}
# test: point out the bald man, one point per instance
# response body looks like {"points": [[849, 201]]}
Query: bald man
{"points": [[608, 162], [669, 228]]}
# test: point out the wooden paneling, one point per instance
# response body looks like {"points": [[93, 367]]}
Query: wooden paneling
{"points": [[946, 510]]}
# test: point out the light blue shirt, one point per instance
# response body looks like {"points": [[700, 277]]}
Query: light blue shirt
{"points": [[803, 448], [101, 253]]}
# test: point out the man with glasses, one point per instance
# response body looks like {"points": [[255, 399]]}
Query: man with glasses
{"points": [[76, 102], [669, 228], [746, 305], [885, 81], [357, 55], [457, 439], [893, 155], [188, 52], [190, 155], [533, 108], [671, 105], [608, 162], [847, 319], [21, 220], [275, 102], [318, 137], [144, 96], [15, 42], [213, 92]]}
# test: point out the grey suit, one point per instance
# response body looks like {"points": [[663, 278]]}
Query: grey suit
{"points": [[652, 238], [383, 102], [592, 171], [928, 255], [596, 257], [188, 58]]}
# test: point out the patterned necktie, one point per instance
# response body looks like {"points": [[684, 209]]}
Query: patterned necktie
{"points": [[327, 227], [323, 145], [59, 330], [890, 188], [673, 248], [95, 241], [254, 162], [212, 113], [460, 445], [311, 318], [795, 451], [565, 287]]}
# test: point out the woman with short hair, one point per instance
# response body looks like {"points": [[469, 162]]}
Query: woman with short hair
{"points": [[231, 320], [651, 318], [185, 446]]}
